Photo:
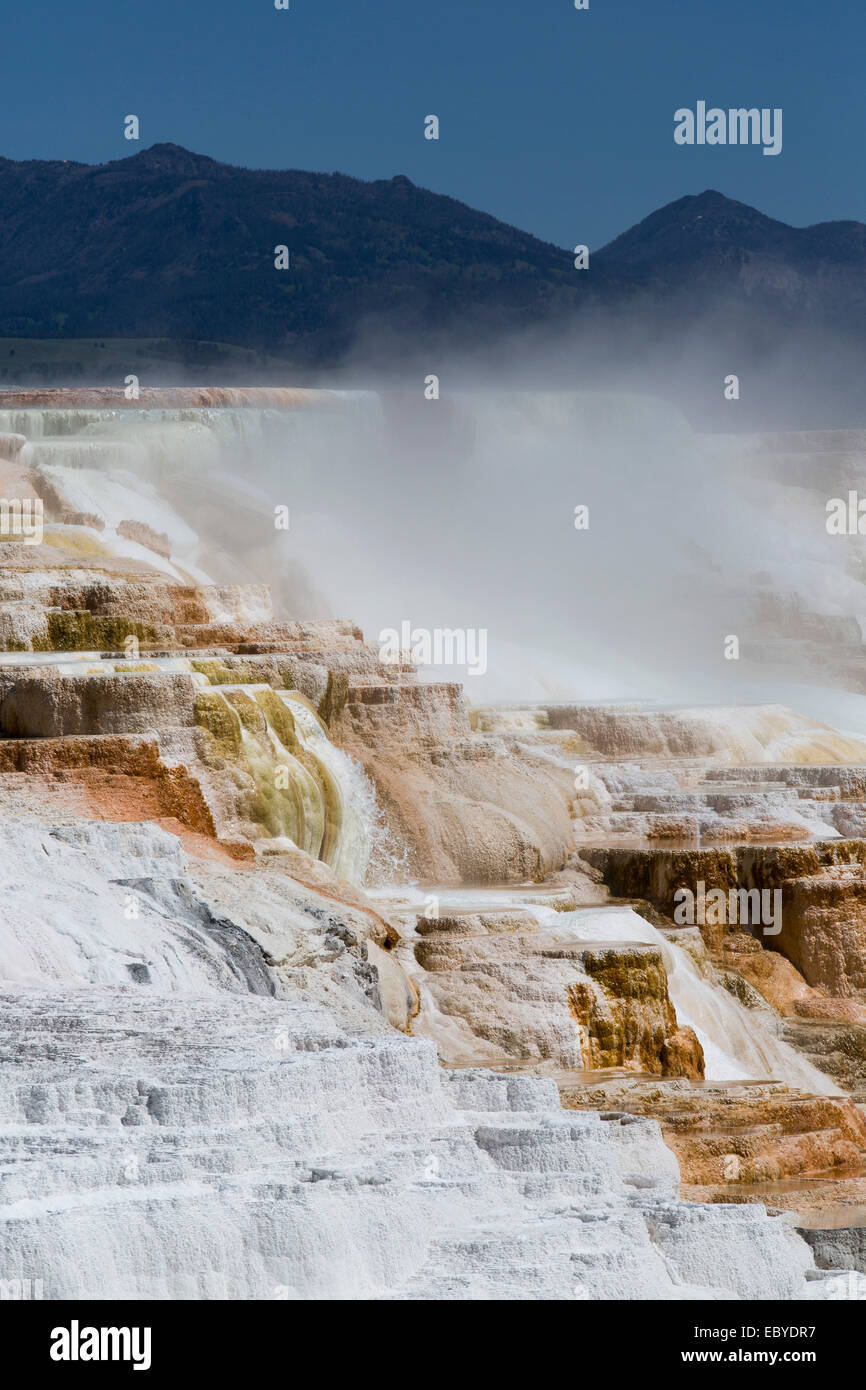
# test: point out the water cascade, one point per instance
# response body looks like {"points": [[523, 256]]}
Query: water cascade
{"points": [[309, 792], [737, 1044], [207, 1099]]}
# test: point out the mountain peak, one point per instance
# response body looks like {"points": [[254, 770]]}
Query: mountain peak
{"points": [[170, 157], [712, 197], [694, 226]]}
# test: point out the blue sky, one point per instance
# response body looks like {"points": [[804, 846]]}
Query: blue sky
{"points": [[559, 121]]}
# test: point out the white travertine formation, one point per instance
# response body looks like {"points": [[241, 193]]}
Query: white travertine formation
{"points": [[188, 1134]]}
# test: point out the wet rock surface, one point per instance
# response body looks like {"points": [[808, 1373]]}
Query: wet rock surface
{"points": [[221, 1051]]}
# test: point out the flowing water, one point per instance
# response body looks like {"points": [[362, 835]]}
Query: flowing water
{"points": [[166, 1142], [312, 795], [738, 1044], [177, 469]]}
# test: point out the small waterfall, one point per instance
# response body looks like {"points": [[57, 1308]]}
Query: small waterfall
{"points": [[81, 451], [78, 472], [221, 464], [352, 792], [52, 423], [737, 1043], [191, 437], [310, 793]]}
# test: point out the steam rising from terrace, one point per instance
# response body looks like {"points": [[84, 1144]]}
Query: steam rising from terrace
{"points": [[464, 508], [195, 774]]}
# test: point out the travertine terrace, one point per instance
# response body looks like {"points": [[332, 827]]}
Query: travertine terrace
{"points": [[318, 983]]}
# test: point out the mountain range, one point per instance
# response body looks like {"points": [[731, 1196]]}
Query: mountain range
{"points": [[171, 245]]}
